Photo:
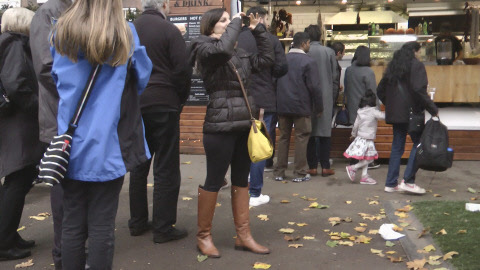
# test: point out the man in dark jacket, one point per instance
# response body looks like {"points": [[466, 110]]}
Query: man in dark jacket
{"points": [[299, 97], [263, 90], [161, 104], [48, 100]]}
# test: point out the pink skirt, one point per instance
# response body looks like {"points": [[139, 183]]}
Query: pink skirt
{"points": [[360, 149]]}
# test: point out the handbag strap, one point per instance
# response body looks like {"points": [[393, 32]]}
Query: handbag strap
{"points": [[85, 95], [243, 90]]}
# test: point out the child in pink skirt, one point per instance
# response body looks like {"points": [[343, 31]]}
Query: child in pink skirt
{"points": [[364, 130]]}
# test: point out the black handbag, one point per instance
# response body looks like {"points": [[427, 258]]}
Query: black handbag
{"points": [[416, 120], [342, 117], [54, 164]]}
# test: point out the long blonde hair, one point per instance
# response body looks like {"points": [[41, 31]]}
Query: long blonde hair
{"points": [[96, 28]]}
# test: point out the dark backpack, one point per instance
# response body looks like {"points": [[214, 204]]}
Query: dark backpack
{"points": [[433, 153]]}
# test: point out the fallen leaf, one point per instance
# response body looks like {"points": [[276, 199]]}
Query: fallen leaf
{"points": [[373, 232], [347, 219], [346, 243], [301, 224], [332, 243], [321, 206], [390, 252], [363, 239], [295, 194], [21, 228], [411, 228], [326, 230], [453, 190], [284, 201], [295, 245], [429, 248], [311, 199], [186, 198], [150, 185], [462, 231], [471, 190], [424, 232], [286, 230], [263, 217], [334, 219], [401, 214], [404, 224], [473, 198], [187, 162], [201, 258], [396, 228], [348, 202], [373, 202], [434, 258], [218, 204], [416, 264], [291, 223], [389, 244], [335, 237], [449, 255], [291, 238], [363, 224], [313, 205], [442, 232], [406, 208], [309, 237], [25, 264], [37, 218], [344, 235], [334, 223], [431, 262], [260, 265], [360, 229], [46, 214], [394, 259], [437, 195], [446, 214], [352, 238], [375, 251]]}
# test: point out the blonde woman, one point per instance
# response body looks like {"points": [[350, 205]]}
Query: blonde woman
{"points": [[109, 139], [20, 149]]}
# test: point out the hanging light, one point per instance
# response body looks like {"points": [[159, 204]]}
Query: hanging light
{"points": [[298, 2], [344, 1]]}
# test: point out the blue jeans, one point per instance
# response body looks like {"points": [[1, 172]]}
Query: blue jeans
{"points": [[256, 169], [398, 147]]}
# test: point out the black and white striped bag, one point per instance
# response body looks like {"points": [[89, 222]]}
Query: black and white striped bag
{"points": [[54, 164]]}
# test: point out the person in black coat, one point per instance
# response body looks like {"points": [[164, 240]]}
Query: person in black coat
{"points": [[227, 120], [263, 89], [20, 148], [161, 104], [402, 89]]}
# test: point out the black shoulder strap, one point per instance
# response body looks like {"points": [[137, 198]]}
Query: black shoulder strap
{"points": [[86, 94]]}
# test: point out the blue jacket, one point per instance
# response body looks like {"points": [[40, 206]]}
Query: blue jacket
{"points": [[109, 139]]}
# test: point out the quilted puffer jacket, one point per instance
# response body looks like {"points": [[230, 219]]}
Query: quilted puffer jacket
{"points": [[226, 109]]}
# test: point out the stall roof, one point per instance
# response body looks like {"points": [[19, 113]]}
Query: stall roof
{"points": [[350, 17]]}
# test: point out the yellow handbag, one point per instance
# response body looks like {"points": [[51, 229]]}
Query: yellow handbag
{"points": [[259, 144]]}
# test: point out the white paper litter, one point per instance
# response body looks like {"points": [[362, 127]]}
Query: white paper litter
{"points": [[472, 207], [387, 232]]}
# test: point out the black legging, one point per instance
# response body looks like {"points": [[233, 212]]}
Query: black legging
{"points": [[12, 200], [223, 149]]}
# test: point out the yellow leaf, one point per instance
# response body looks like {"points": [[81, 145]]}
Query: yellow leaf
{"points": [[429, 248], [437, 195], [218, 204], [347, 219], [334, 223], [348, 202], [21, 228], [260, 265], [434, 258], [334, 237], [25, 264], [446, 214], [295, 194], [373, 232], [284, 201], [326, 230], [416, 264], [462, 231], [373, 202], [286, 230], [295, 245], [263, 217], [449, 255], [396, 228], [360, 229], [390, 252], [406, 208], [311, 199], [334, 219], [313, 205], [301, 224], [352, 238], [149, 185], [395, 260], [473, 199], [363, 239], [186, 198], [309, 237], [401, 214], [453, 190], [37, 218], [346, 243], [291, 223], [375, 251], [442, 232], [187, 162], [334, 233], [363, 224], [44, 214], [290, 238]]}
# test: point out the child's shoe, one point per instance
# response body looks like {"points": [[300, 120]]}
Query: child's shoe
{"points": [[367, 180], [351, 172]]}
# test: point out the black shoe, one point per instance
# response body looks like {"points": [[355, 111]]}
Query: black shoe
{"points": [[14, 254], [170, 235], [24, 244], [374, 165], [140, 230]]}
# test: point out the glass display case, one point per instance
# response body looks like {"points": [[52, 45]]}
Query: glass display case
{"points": [[351, 40], [383, 47]]}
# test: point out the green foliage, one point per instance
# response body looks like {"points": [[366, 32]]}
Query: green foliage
{"points": [[131, 15]]}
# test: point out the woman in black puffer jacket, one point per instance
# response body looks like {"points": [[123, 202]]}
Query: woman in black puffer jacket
{"points": [[227, 121], [20, 148]]}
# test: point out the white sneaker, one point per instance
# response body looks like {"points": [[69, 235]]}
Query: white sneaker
{"points": [[411, 188], [391, 189], [262, 199]]}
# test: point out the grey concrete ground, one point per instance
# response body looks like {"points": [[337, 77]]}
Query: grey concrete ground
{"points": [[141, 253]]}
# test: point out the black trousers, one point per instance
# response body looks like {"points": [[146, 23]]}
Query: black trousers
{"points": [[56, 201], [224, 149], [12, 200], [162, 132], [90, 209], [318, 149]]}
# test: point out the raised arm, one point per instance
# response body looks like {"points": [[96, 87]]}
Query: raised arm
{"points": [[265, 56]]}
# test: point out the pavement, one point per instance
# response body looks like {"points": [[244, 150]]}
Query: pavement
{"points": [[334, 191]]}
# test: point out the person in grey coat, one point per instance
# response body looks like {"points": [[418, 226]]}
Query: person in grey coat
{"points": [[319, 144], [359, 77]]}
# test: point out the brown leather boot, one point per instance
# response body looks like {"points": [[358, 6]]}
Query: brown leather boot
{"points": [[240, 208], [206, 209]]}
